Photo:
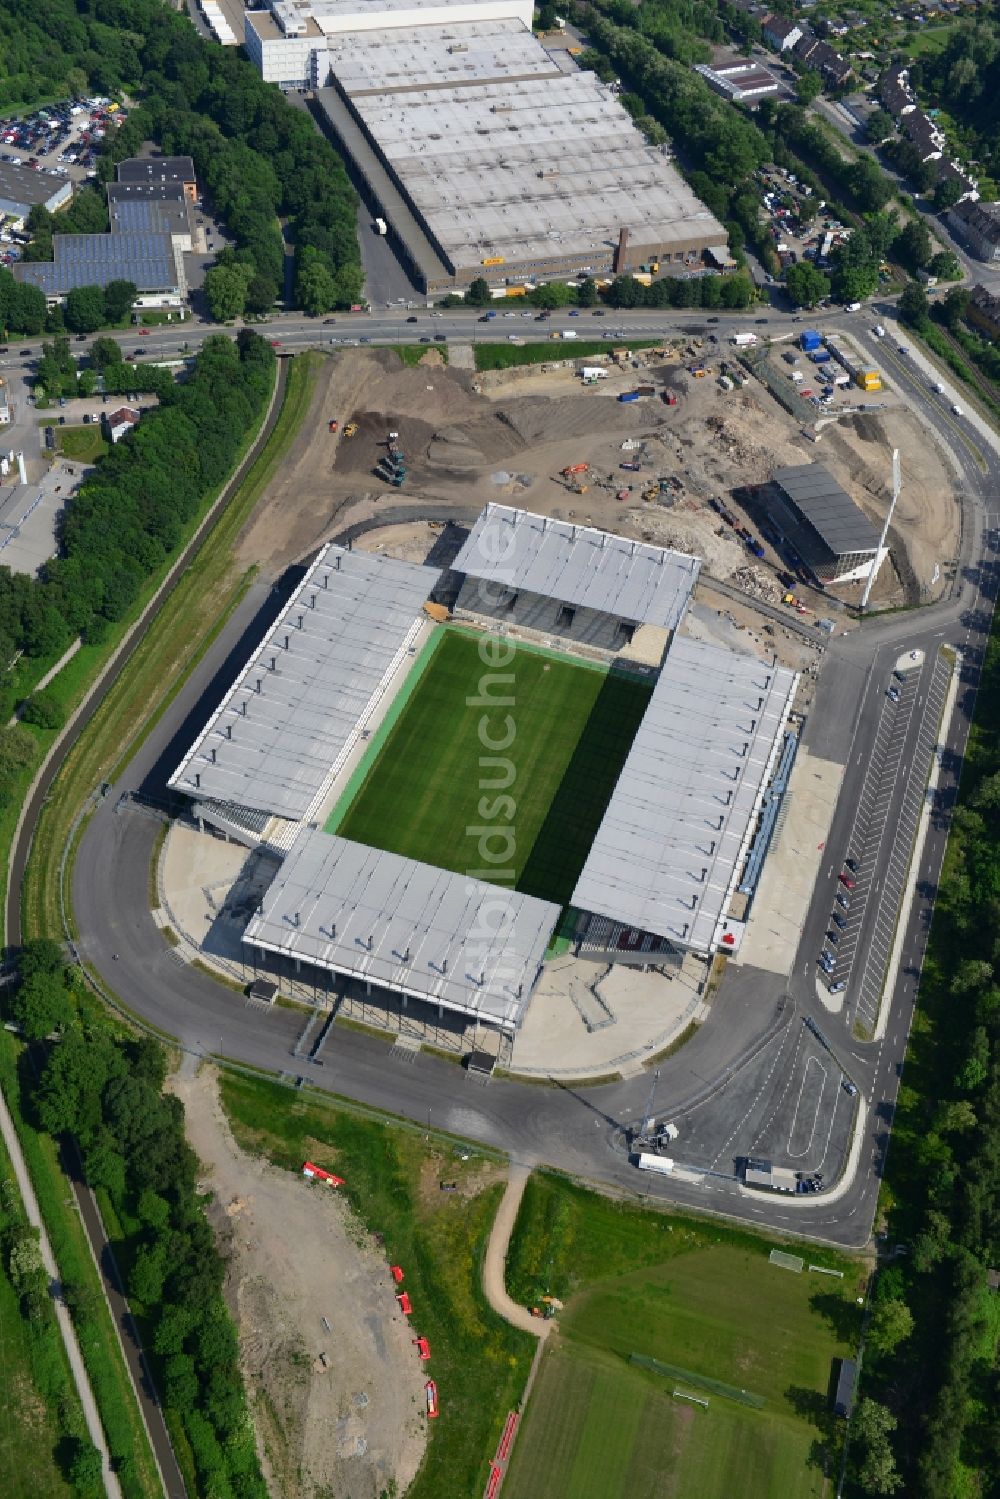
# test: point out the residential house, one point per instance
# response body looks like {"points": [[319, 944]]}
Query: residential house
{"points": [[979, 225], [121, 422], [780, 33], [984, 311]]}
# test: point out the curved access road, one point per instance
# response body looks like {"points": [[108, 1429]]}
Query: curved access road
{"points": [[580, 1129]]}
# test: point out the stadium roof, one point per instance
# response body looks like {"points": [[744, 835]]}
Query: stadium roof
{"points": [[677, 828], [405, 926], [145, 258], [829, 509], [578, 565], [275, 742]]}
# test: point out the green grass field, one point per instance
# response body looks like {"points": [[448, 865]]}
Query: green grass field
{"points": [[426, 783], [700, 1296]]}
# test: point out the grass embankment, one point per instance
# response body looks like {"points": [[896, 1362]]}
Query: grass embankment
{"points": [[392, 1182], [704, 1298], [109, 1378], [507, 356], [185, 627], [81, 444], [39, 1406], [423, 794], [411, 354]]}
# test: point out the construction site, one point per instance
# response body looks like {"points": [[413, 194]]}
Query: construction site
{"points": [[689, 440]]}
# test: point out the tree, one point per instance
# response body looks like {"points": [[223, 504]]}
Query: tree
{"points": [[43, 710], [873, 1426], [805, 284], [944, 265], [41, 1005], [86, 1467], [808, 87], [946, 194], [119, 299], [586, 292], [913, 306], [24, 1257], [879, 126], [226, 291], [85, 309], [891, 1323], [262, 294], [913, 245], [553, 294], [105, 352], [869, 184], [479, 294], [315, 286]]}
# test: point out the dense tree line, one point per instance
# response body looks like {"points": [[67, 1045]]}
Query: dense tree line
{"points": [[107, 1091], [51, 52], [261, 160], [932, 1366], [130, 515]]}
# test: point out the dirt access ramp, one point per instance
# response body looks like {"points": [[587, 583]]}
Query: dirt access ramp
{"points": [[348, 1429]]}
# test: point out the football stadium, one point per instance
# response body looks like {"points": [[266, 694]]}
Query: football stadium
{"points": [[444, 793]]}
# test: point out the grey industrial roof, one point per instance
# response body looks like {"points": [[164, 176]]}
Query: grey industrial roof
{"points": [[829, 510], [157, 192], [676, 831], [275, 740], [437, 57], [149, 215], [579, 565], [405, 926], [521, 170], [156, 169], [26, 186], [146, 258]]}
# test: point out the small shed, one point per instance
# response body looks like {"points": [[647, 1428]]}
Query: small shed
{"points": [[843, 1400], [263, 991]]}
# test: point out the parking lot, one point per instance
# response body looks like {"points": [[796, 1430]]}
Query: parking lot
{"points": [[864, 916], [60, 140]]}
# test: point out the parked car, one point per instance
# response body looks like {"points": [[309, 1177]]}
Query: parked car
{"points": [[846, 881]]}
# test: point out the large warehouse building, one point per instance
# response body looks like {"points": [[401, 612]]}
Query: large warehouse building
{"points": [[149, 214], [485, 156], [296, 733]]}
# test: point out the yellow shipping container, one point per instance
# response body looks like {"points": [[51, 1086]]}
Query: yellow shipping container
{"points": [[516, 291]]}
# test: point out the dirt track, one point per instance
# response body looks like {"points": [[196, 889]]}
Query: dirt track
{"points": [[341, 1431]]}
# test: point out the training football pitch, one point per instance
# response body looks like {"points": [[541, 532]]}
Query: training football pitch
{"points": [[490, 768], [703, 1299]]}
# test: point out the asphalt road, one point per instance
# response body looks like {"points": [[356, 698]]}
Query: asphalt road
{"points": [[753, 1019]]}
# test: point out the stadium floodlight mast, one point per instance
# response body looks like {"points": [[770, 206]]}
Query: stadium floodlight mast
{"points": [[885, 531]]}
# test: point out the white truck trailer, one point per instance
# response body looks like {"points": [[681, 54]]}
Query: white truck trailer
{"points": [[743, 340], [660, 1163]]}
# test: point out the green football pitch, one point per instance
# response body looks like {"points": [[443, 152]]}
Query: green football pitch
{"points": [[496, 768]]}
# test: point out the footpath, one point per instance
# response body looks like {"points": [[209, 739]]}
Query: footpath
{"points": [[94, 1429]]}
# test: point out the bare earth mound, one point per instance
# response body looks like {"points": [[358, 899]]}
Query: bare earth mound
{"points": [[345, 1429]]}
